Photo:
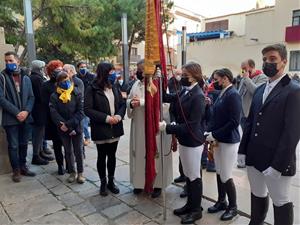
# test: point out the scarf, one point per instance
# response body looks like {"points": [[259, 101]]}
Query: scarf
{"points": [[65, 95]]}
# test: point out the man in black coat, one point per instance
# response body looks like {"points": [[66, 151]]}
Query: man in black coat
{"points": [[271, 134], [38, 130]]}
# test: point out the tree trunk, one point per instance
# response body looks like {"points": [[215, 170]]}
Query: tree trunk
{"points": [[130, 44]]}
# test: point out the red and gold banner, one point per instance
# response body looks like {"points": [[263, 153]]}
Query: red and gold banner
{"points": [[154, 55]]}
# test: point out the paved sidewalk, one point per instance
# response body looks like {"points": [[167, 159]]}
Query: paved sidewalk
{"points": [[49, 199]]}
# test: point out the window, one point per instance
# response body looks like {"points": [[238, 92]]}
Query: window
{"points": [[217, 25], [295, 61], [134, 51], [296, 18]]}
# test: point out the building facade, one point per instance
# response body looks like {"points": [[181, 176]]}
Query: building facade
{"points": [[3, 48], [247, 34]]}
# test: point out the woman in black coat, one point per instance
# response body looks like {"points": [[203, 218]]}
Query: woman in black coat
{"points": [[105, 107], [66, 108], [48, 87], [189, 112]]}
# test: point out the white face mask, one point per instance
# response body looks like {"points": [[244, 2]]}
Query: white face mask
{"points": [[121, 82], [178, 77]]}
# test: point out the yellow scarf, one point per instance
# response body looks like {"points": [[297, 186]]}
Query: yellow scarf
{"points": [[65, 95]]}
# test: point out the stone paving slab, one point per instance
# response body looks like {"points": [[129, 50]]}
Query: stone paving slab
{"points": [[3, 216], [61, 217], [33, 208], [134, 218], [95, 219], [83, 209], [11, 193], [115, 211], [70, 199]]}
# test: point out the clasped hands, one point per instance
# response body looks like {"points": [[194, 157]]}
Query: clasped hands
{"points": [[21, 116], [135, 102]]}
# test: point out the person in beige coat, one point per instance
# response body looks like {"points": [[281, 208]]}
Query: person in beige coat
{"points": [[136, 112]]}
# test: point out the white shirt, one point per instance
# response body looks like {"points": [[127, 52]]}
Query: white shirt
{"points": [[223, 90], [187, 89], [270, 86]]}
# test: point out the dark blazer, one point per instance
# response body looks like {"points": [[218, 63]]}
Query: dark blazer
{"points": [[87, 79], [12, 102], [272, 129], [37, 81], [96, 107], [226, 116], [71, 113], [191, 132]]}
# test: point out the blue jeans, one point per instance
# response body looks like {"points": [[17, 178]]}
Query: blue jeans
{"points": [[86, 132], [17, 138]]}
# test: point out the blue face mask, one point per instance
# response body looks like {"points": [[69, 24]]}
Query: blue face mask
{"points": [[11, 67], [112, 78], [83, 71], [65, 84]]}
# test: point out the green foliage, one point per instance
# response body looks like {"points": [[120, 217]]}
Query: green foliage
{"points": [[74, 29]]}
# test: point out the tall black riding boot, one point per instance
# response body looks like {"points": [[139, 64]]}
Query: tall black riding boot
{"points": [[195, 194], [231, 210], [259, 209], [284, 215], [221, 204], [186, 208]]}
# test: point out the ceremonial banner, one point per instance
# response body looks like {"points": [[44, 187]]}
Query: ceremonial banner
{"points": [[154, 55]]}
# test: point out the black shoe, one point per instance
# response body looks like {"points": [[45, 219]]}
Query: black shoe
{"points": [[182, 211], [156, 193], [259, 209], [217, 207], [47, 151], [229, 214], [137, 191], [184, 193], [191, 217], [103, 187], [61, 170], [284, 215], [112, 187], [241, 166], [46, 157], [37, 160], [180, 179], [26, 172]]}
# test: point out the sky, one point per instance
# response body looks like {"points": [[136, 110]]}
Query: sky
{"points": [[211, 8]]}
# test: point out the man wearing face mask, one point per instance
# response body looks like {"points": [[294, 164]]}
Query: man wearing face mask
{"points": [[87, 79], [136, 112], [37, 78], [251, 79], [271, 134], [16, 101]]}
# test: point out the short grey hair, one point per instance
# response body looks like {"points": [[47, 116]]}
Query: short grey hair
{"points": [[70, 67]]}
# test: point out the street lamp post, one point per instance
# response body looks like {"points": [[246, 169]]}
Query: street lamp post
{"points": [[125, 47], [29, 31]]}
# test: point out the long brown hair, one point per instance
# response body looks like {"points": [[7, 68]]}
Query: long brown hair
{"points": [[195, 70], [102, 72]]}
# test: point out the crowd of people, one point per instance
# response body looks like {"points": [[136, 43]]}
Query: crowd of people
{"points": [[251, 120]]}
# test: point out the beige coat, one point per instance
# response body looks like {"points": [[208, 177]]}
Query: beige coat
{"points": [[137, 143]]}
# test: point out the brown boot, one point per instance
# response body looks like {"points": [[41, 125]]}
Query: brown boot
{"points": [[16, 176]]}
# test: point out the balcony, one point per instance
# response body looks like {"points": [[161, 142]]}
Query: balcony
{"points": [[292, 34]]}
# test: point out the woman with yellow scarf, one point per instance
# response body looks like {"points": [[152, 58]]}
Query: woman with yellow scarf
{"points": [[66, 107]]}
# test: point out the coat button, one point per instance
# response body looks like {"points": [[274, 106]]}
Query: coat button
{"points": [[260, 113], [255, 134], [258, 124]]}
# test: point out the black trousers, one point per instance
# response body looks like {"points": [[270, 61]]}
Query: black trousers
{"points": [[106, 151]]}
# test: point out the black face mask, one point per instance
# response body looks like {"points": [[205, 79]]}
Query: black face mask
{"points": [[217, 86], [55, 73], [139, 75], [185, 81], [270, 69]]}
